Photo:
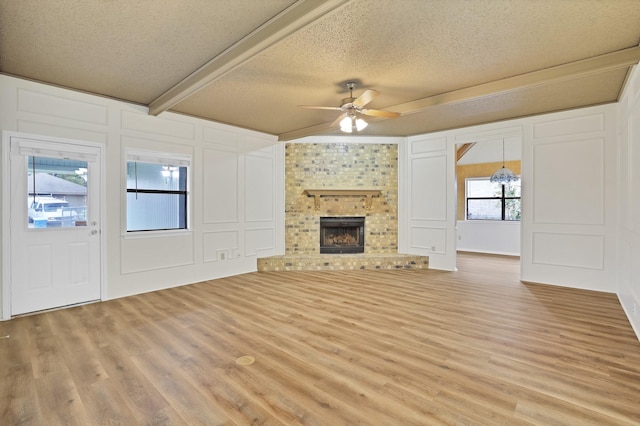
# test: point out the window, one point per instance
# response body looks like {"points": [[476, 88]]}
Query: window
{"points": [[56, 177], [492, 201], [156, 191]]}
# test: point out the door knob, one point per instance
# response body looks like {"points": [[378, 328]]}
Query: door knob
{"points": [[94, 231]]}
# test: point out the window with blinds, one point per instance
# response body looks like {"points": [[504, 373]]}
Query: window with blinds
{"points": [[157, 191]]}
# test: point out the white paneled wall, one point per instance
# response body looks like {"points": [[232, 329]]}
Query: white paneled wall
{"points": [[569, 195], [489, 236], [569, 199], [236, 190], [427, 201], [580, 171], [564, 192], [628, 208], [220, 178]]}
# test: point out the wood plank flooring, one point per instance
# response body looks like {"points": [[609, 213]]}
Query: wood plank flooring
{"points": [[405, 347]]}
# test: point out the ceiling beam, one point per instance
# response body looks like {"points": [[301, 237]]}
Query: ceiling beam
{"points": [[290, 20], [464, 148], [583, 68], [307, 131], [579, 69]]}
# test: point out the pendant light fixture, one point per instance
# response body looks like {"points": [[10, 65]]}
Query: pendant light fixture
{"points": [[503, 176]]}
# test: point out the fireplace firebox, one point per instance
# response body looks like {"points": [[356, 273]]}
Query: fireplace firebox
{"points": [[342, 234]]}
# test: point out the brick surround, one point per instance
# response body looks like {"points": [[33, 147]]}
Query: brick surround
{"points": [[338, 166], [341, 166]]}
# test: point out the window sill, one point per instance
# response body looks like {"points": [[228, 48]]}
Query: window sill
{"points": [[491, 221], [156, 234]]}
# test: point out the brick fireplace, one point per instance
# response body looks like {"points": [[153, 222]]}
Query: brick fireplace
{"points": [[341, 167], [341, 180]]}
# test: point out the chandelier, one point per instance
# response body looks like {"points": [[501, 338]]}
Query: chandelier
{"points": [[504, 176]]}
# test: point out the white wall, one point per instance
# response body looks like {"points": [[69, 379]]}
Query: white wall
{"points": [[489, 236], [581, 191], [237, 190], [569, 195], [628, 211], [426, 195], [427, 190], [569, 199]]}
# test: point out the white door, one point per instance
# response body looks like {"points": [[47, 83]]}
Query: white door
{"points": [[55, 224]]}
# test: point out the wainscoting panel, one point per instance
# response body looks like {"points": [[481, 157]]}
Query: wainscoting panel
{"points": [[140, 121], [569, 199], [43, 128], [219, 186], [150, 253], [429, 239], [426, 178], [484, 133], [560, 250], [214, 242], [259, 241], [634, 174], [256, 146], [428, 145], [429, 185], [60, 107], [569, 126], [259, 184], [220, 137], [566, 192]]}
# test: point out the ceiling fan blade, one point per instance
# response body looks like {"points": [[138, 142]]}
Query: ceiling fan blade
{"points": [[380, 113], [366, 97], [320, 107], [337, 120]]}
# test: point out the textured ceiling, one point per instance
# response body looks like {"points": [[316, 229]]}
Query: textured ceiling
{"points": [[441, 63]]}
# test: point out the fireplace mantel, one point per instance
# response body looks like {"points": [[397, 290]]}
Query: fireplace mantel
{"points": [[317, 193]]}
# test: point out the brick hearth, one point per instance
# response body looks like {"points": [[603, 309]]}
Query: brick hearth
{"points": [[332, 262]]}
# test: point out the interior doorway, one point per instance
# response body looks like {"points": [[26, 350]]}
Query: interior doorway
{"points": [[488, 214]]}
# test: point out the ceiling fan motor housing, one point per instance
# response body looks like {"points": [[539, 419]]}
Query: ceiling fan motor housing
{"points": [[347, 102]]}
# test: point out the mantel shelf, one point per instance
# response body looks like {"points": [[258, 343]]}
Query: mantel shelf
{"points": [[317, 193]]}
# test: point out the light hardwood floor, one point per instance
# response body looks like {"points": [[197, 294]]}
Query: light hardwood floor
{"points": [[402, 347]]}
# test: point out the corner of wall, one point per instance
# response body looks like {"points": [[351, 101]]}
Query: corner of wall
{"points": [[628, 206]]}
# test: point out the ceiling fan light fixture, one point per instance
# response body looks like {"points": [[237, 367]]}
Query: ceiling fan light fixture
{"points": [[360, 124], [352, 108], [345, 125], [350, 124]]}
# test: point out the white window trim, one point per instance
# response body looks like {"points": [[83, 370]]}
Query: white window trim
{"points": [[158, 157], [466, 196], [167, 159]]}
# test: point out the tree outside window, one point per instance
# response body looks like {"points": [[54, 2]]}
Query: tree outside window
{"points": [[492, 201]]}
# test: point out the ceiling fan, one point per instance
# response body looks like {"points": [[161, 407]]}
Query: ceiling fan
{"points": [[353, 107]]}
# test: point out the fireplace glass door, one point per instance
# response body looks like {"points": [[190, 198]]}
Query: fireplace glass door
{"points": [[341, 235]]}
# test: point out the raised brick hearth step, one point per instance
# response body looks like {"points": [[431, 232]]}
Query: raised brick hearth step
{"points": [[319, 262]]}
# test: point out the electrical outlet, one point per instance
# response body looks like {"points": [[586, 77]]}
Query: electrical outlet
{"points": [[433, 248]]}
